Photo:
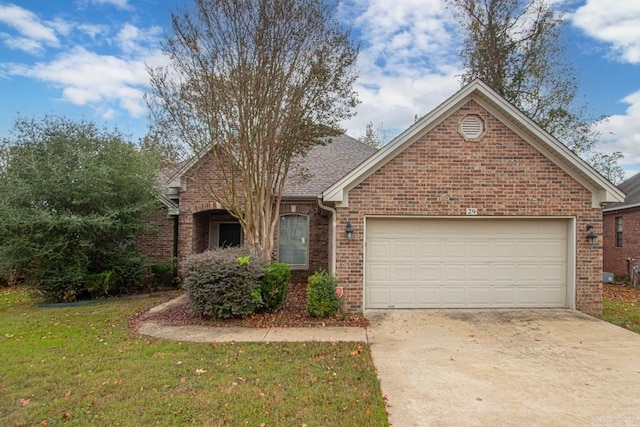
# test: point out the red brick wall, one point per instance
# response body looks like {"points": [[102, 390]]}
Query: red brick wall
{"points": [[200, 181], [157, 243], [442, 174], [196, 200], [615, 258], [318, 238]]}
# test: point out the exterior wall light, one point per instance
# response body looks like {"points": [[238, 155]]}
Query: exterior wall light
{"points": [[591, 236], [349, 230]]}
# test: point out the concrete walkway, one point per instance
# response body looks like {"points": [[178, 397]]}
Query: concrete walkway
{"points": [[239, 334]]}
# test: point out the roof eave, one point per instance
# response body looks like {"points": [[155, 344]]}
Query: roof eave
{"points": [[602, 190]]}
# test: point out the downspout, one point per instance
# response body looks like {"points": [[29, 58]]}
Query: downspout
{"points": [[332, 257], [176, 227]]}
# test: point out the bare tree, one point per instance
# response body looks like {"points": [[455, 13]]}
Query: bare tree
{"points": [[252, 84], [375, 137], [514, 46]]}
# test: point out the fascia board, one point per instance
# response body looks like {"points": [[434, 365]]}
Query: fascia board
{"points": [[602, 190], [336, 193], [169, 204], [621, 207]]}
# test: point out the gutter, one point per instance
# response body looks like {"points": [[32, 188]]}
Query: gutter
{"points": [[332, 257]]}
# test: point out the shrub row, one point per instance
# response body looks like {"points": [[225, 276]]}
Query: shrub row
{"points": [[228, 283]]}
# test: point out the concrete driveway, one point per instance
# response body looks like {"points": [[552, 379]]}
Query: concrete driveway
{"points": [[505, 368]]}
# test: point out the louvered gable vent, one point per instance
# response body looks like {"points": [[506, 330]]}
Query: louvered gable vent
{"points": [[472, 127]]}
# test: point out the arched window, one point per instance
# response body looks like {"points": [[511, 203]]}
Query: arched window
{"points": [[293, 240]]}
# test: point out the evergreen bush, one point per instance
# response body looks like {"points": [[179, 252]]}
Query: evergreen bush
{"points": [[274, 285], [223, 283], [322, 300]]}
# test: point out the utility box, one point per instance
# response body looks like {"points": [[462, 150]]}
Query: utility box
{"points": [[607, 277]]}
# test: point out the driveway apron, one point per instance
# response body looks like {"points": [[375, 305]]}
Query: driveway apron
{"points": [[505, 368]]}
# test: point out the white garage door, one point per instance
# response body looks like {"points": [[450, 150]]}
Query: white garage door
{"points": [[456, 263]]}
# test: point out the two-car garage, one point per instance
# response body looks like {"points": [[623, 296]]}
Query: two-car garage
{"points": [[468, 262]]}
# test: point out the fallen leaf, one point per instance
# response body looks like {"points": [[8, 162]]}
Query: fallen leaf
{"points": [[24, 402], [66, 415], [67, 393], [200, 371]]}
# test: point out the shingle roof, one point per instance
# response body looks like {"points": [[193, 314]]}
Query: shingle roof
{"points": [[324, 165], [630, 186], [309, 175]]}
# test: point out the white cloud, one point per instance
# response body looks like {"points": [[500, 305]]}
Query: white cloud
{"points": [[133, 40], [622, 133], [613, 22], [122, 4], [93, 30], [29, 26], [408, 60], [21, 43], [87, 78]]}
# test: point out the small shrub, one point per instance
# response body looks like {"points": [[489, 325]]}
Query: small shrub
{"points": [[274, 285], [128, 269], [161, 275], [99, 285], [322, 300], [223, 283]]}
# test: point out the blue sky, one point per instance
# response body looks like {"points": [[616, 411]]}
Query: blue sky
{"points": [[86, 59]]}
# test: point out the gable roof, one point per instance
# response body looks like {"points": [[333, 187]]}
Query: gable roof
{"points": [[630, 186], [601, 189], [309, 175]]}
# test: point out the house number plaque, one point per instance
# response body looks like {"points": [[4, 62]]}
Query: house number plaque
{"points": [[472, 211]]}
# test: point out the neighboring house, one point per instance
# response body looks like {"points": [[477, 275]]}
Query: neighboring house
{"points": [[473, 206], [621, 225]]}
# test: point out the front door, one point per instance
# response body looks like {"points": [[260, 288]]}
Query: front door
{"points": [[230, 234]]}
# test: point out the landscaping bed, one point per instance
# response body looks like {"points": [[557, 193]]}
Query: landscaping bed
{"points": [[292, 314]]}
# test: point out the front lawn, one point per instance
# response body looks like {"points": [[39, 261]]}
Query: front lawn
{"points": [[622, 306], [80, 365]]}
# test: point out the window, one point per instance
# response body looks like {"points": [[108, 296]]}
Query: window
{"points": [[293, 246], [224, 234], [619, 231]]}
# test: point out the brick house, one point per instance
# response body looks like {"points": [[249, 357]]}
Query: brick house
{"points": [[472, 206], [621, 230]]}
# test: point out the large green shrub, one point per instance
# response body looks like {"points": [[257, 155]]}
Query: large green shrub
{"points": [[224, 283], [322, 299], [74, 199], [274, 285]]}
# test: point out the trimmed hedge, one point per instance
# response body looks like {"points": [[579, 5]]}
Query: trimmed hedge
{"points": [[322, 300], [223, 283], [274, 285]]}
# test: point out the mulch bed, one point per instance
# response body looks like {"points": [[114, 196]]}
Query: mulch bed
{"points": [[625, 294], [292, 314]]}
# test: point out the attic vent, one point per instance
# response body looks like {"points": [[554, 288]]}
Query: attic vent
{"points": [[472, 127]]}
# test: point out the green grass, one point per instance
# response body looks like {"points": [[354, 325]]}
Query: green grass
{"points": [[82, 366], [621, 314]]}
